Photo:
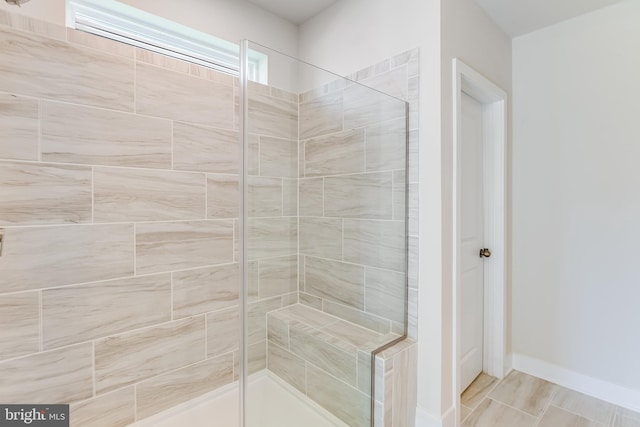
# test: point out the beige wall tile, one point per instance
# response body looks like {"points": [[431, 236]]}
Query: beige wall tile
{"points": [[278, 331], [202, 148], [172, 95], [335, 281], [343, 401], [18, 127], [254, 155], [100, 43], [364, 372], [358, 317], [162, 61], [321, 237], [265, 197], [72, 73], [124, 359], [257, 318], [59, 376], [19, 324], [359, 196], [205, 289], [399, 195], [32, 25], [622, 421], [354, 336], [334, 154], [272, 237], [272, 116], [278, 157], [287, 366], [165, 391], [311, 197], [182, 245], [278, 276], [43, 257], [290, 299], [392, 82], [386, 145], [310, 300], [404, 387], [364, 106], [378, 244], [321, 116], [36, 193], [253, 273], [213, 75], [76, 134], [81, 313], [289, 197], [141, 195], [223, 331], [223, 196], [109, 410], [257, 357], [385, 293]]}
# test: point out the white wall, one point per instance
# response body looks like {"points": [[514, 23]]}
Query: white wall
{"points": [[576, 198], [354, 34]]}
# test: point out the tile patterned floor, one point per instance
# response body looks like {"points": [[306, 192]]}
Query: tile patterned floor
{"points": [[520, 400]]}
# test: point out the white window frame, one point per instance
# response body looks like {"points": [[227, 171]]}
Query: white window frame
{"points": [[126, 24]]}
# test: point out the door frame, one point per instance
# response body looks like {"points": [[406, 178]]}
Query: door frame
{"points": [[494, 106]]}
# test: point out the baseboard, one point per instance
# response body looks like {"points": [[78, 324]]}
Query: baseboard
{"points": [[603, 390], [424, 419]]}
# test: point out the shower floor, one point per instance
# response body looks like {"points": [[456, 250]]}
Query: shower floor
{"points": [[272, 403]]}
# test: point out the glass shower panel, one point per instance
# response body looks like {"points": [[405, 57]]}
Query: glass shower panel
{"points": [[324, 244]]}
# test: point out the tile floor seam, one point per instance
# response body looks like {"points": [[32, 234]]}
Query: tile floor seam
{"points": [[583, 416], [547, 405], [509, 406]]}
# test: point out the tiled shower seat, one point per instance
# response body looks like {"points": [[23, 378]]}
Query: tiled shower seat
{"points": [[326, 358]]}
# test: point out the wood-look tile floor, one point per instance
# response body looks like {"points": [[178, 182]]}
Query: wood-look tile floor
{"points": [[520, 400]]}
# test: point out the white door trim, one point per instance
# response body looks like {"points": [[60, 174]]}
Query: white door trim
{"points": [[494, 103]]}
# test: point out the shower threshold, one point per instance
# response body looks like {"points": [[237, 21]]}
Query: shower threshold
{"points": [[271, 403]]}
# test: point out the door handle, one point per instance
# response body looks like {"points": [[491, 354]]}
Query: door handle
{"points": [[485, 253]]}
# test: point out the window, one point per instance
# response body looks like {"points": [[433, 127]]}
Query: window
{"points": [[117, 21]]}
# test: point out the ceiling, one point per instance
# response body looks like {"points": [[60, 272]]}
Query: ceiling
{"points": [[515, 17], [296, 11]]}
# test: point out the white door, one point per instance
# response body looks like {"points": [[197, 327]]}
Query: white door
{"points": [[471, 240]]}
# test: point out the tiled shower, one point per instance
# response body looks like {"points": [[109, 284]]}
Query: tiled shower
{"points": [[121, 259]]}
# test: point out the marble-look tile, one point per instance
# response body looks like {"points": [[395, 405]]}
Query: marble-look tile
{"points": [[165, 391], [289, 197], [125, 359], [622, 421], [356, 336], [223, 331], [205, 289], [358, 317], [182, 245], [18, 127], [310, 345], [257, 318], [257, 357], [385, 293], [278, 331], [581, 404], [305, 315], [272, 116], [310, 300], [72, 73], [555, 417], [335, 281], [278, 157], [206, 149], [109, 410], [272, 237], [32, 25], [223, 196], [81, 313], [400, 195], [478, 390], [345, 402], [78, 254], [379, 244], [523, 392], [19, 324], [172, 95], [162, 61], [321, 115], [389, 81], [386, 145], [311, 197], [211, 74], [59, 376], [287, 366], [364, 196], [145, 195], [100, 43], [265, 197], [321, 237], [364, 373], [334, 154], [253, 288], [40, 194], [278, 276], [290, 299], [253, 143], [491, 413], [92, 136], [364, 106]]}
